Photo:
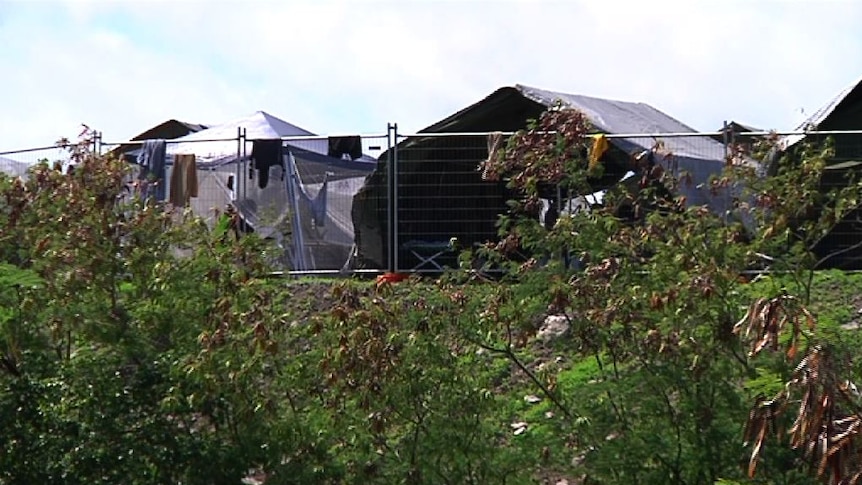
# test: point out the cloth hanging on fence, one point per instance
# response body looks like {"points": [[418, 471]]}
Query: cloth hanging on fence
{"points": [[345, 145], [184, 180], [600, 146], [152, 162], [266, 154]]}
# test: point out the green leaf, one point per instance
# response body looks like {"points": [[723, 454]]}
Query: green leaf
{"points": [[13, 276]]}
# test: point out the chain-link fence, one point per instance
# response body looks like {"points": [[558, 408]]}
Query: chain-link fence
{"points": [[328, 202]]}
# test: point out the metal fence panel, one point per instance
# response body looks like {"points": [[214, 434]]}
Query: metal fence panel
{"points": [[429, 188]]}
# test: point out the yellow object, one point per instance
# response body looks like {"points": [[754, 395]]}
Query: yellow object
{"points": [[600, 146]]}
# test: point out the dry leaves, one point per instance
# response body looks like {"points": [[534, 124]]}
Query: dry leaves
{"points": [[827, 422]]}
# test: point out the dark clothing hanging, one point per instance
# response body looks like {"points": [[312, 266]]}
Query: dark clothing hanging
{"points": [[266, 154], [152, 162], [341, 145]]}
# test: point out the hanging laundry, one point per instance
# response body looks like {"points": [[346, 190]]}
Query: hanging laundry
{"points": [[184, 180], [152, 162], [266, 154], [600, 146], [345, 145]]}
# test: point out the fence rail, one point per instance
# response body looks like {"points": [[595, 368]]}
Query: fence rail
{"points": [[330, 214]]}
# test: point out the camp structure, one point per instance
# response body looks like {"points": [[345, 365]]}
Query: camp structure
{"points": [[300, 198], [841, 247], [739, 136], [168, 130], [441, 194]]}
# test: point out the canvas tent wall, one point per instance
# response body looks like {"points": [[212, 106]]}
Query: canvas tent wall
{"points": [[841, 113], [441, 194], [226, 177]]}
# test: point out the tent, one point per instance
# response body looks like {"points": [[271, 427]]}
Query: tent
{"points": [[168, 130], [219, 143], [305, 203], [441, 194], [841, 113], [734, 132]]}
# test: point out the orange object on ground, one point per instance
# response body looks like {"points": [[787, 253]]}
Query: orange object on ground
{"points": [[391, 278]]}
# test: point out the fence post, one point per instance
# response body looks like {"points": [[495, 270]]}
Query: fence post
{"points": [[390, 191], [395, 196], [239, 167], [246, 165]]}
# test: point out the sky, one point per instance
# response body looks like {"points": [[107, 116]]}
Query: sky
{"points": [[341, 67]]}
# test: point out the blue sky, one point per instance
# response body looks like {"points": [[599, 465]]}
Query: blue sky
{"points": [[352, 66]]}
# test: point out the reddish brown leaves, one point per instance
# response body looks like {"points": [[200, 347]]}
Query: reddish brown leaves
{"points": [[540, 154], [766, 319]]}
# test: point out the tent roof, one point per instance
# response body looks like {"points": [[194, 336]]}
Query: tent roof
{"points": [[606, 115], [826, 113], [168, 130], [259, 125], [611, 116], [738, 127], [218, 144], [827, 110]]}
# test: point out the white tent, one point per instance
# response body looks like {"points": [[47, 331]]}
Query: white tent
{"points": [[219, 144], [308, 202]]}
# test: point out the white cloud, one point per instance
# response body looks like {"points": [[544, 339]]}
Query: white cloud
{"points": [[354, 66]]}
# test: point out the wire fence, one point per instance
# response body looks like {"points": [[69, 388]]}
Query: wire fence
{"points": [[17, 162], [330, 212]]}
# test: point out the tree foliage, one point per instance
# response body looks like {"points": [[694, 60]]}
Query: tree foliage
{"points": [[140, 345], [656, 306]]}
